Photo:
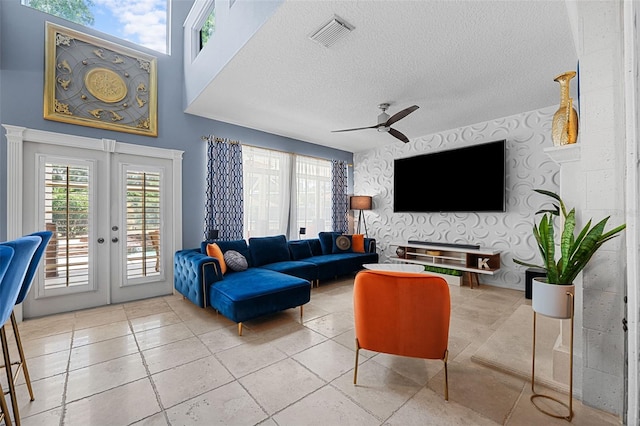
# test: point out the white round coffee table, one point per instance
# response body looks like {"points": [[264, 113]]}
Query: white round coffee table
{"points": [[394, 267]]}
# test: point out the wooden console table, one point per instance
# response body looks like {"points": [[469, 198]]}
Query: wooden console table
{"points": [[470, 261]]}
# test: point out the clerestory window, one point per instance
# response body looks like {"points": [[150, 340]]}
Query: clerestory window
{"points": [[208, 28], [143, 22]]}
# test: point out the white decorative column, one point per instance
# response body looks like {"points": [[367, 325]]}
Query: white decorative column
{"points": [[572, 190], [15, 140]]}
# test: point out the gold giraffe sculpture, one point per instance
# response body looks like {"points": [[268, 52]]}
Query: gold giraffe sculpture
{"points": [[564, 127]]}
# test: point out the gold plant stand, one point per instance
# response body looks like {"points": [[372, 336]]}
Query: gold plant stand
{"points": [[536, 395]]}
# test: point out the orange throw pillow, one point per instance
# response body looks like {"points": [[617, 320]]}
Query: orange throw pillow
{"points": [[357, 243], [213, 250]]}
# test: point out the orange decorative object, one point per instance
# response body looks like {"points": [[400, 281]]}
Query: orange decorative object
{"points": [[402, 313], [564, 127]]}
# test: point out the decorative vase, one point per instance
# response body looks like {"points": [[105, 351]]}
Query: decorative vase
{"points": [[552, 300], [564, 127]]}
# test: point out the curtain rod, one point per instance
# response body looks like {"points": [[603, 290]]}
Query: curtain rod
{"points": [[293, 153], [217, 139]]}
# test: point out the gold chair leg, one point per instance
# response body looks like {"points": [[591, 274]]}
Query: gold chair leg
{"points": [[6, 416], [446, 376], [239, 329], [355, 370], [7, 366], [23, 360], [301, 311]]}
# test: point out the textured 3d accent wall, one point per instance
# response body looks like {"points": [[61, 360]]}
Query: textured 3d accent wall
{"points": [[527, 167]]}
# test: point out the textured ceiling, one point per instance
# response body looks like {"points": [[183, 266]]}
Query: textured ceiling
{"points": [[461, 62]]}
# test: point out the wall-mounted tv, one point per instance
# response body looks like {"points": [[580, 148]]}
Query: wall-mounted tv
{"points": [[467, 179]]}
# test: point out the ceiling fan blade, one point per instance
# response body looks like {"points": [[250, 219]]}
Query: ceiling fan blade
{"points": [[357, 128], [400, 115], [398, 135]]}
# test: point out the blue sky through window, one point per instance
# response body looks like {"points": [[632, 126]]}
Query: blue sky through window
{"points": [[143, 22]]}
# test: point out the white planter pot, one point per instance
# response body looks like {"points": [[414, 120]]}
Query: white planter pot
{"points": [[552, 300]]}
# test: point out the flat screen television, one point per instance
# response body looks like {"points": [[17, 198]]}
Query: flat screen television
{"points": [[467, 179]]}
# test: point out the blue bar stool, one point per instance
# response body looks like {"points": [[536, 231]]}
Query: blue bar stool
{"points": [[24, 290], [6, 254], [24, 249]]}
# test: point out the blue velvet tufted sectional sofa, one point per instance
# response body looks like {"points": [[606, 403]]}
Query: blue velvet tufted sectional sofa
{"points": [[279, 276]]}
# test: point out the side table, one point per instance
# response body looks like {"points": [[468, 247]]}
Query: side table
{"points": [[394, 267]]}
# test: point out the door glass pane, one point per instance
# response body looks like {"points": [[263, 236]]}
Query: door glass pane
{"points": [[67, 215], [143, 224]]}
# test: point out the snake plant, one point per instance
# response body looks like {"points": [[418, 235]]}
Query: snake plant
{"points": [[575, 252]]}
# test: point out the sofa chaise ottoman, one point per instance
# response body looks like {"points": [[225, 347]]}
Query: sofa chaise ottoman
{"points": [[256, 292]]}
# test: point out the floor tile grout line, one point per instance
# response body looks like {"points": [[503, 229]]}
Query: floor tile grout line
{"points": [[516, 402], [63, 402], [149, 376]]}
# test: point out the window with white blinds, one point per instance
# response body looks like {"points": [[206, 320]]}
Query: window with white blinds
{"points": [[284, 192], [266, 185], [313, 196], [67, 213], [143, 221]]}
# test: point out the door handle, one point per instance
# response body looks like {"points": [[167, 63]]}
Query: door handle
{"points": [[114, 240]]}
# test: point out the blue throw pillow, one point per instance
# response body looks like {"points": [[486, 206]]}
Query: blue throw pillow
{"points": [[265, 250], [316, 248], [342, 244], [326, 241], [299, 250]]}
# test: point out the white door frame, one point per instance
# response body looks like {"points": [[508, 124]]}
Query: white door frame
{"points": [[631, 42], [17, 136]]}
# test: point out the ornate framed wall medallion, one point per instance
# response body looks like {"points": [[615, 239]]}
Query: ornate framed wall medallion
{"points": [[96, 83]]}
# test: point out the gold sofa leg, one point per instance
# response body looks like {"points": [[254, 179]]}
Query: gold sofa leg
{"points": [[239, 329]]}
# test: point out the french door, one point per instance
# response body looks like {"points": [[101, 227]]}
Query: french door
{"points": [[112, 208]]}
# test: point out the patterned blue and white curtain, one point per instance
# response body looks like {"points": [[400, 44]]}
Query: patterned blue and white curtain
{"points": [[339, 197], [224, 205]]}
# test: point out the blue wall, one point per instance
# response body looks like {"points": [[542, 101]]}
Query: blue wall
{"points": [[22, 34]]}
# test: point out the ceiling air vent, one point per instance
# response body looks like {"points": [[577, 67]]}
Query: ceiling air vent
{"points": [[331, 32]]}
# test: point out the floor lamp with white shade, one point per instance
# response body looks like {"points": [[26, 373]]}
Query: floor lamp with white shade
{"points": [[361, 202]]}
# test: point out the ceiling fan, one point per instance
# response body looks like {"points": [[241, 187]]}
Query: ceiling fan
{"points": [[385, 121]]}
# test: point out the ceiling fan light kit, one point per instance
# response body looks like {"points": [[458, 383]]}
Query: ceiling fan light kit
{"points": [[385, 122]]}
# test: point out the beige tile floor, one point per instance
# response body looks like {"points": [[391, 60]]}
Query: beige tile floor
{"points": [[163, 361]]}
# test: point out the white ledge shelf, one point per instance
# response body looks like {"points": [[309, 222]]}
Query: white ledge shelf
{"points": [[564, 153]]}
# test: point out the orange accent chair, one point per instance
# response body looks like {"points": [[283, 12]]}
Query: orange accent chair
{"points": [[402, 313]]}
